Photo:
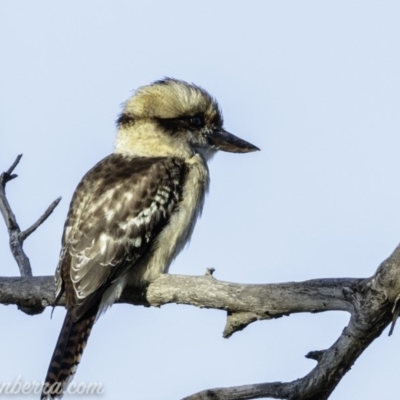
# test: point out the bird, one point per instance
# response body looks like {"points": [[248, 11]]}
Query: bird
{"points": [[135, 210]]}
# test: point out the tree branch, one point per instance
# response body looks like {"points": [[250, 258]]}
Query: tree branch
{"points": [[17, 237], [372, 303], [263, 301], [23, 235], [369, 301]]}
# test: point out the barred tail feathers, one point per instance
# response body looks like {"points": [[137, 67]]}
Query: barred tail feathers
{"points": [[67, 355]]}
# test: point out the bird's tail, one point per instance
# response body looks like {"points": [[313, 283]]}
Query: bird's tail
{"points": [[67, 355]]}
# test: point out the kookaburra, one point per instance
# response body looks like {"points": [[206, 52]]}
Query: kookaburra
{"points": [[135, 210]]}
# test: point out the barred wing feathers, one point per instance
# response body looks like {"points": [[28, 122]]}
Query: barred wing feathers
{"points": [[117, 211]]}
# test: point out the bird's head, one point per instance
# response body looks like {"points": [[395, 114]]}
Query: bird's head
{"points": [[172, 117]]}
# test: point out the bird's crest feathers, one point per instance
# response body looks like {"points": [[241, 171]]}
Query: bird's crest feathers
{"points": [[171, 98]]}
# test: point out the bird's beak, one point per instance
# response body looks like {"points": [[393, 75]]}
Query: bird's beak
{"points": [[225, 141]]}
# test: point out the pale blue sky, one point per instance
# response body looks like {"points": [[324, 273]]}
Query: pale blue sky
{"points": [[314, 84]]}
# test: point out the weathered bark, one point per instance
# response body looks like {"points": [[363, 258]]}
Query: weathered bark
{"points": [[372, 303], [369, 301], [17, 237]]}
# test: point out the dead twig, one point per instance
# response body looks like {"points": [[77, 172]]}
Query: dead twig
{"points": [[17, 237]]}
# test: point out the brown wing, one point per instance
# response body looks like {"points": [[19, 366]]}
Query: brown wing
{"points": [[117, 211]]}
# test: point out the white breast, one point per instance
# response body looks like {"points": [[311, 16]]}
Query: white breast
{"points": [[179, 229]]}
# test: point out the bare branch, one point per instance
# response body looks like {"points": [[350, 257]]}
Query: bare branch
{"points": [[23, 235], [275, 390], [369, 301], [11, 223], [372, 303], [30, 294], [263, 301], [17, 237], [13, 166]]}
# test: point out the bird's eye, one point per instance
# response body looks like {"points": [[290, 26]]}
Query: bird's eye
{"points": [[196, 121]]}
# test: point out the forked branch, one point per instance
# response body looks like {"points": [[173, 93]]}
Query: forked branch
{"points": [[372, 303], [17, 237]]}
